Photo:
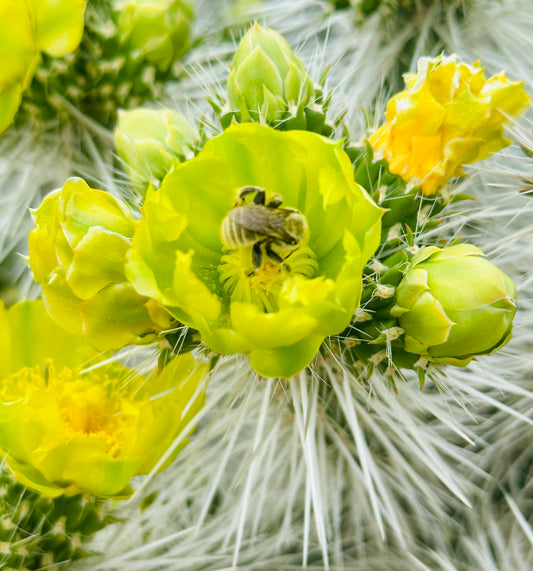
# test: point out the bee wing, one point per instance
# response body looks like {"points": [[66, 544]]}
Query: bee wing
{"points": [[276, 225], [263, 221], [252, 217]]}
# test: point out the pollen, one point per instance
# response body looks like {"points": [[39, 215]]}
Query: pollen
{"points": [[267, 277], [76, 405], [262, 287], [86, 411]]}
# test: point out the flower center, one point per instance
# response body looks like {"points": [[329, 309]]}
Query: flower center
{"points": [[74, 405], [86, 410], [266, 243], [242, 282]]}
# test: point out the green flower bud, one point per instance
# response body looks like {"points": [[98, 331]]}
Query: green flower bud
{"points": [[454, 304], [259, 243], [77, 253], [266, 77], [150, 140], [158, 30]]}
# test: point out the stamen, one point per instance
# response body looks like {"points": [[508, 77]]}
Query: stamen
{"points": [[86, 404], [262, 287]]}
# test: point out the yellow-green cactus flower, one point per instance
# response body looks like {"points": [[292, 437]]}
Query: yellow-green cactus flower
{"points": [[449, 116], [149, 141], [29, 28], [77, 252], [19, 56], [64, 430], [58, 25], [267, 78], [454, 304], [273, 279], [158, 30]]}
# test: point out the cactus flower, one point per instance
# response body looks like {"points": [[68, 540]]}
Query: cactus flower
{"points": [[29, 28], [77, 252], [19, 56], [58, 25], [272, 279], [449, 116], [454, 304], [158, 30], [267, 77], [150, 140], [64, 430]]}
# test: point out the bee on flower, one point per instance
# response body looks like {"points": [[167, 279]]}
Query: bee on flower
{"points": [[259, 243]]}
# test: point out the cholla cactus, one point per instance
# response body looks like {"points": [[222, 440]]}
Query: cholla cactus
{"points": [[126, 54], [149, 141], [77, 253], [393, 8], [260, 243], [37, 532]]}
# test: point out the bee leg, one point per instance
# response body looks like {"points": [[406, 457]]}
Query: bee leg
{"points": [[284, 264], [259, 192], [275, 201], [257, 256], [260, 196], [273, 255]]}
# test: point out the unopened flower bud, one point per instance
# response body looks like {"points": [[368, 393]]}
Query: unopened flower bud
{"points": [[159, 30], [150, 140], [267, 78], [454, 304], [77, 252]]}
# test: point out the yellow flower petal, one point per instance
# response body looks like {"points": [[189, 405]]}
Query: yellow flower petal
{"points": [[450, 115], [58, 25], [65, 432]]}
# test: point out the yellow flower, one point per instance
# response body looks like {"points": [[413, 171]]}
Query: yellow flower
{"points": [[77, 252], [58, 25], [64, 430], [29, 28], [19, 56], [450, 115], [247, 292]]}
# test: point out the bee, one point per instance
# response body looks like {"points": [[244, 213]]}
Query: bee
{"points": [[264, 225]]}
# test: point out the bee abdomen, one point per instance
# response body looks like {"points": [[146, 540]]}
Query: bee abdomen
{"points": [[234, 235]]}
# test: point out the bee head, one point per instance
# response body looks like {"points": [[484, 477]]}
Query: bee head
{"points": [[296, 226]]}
